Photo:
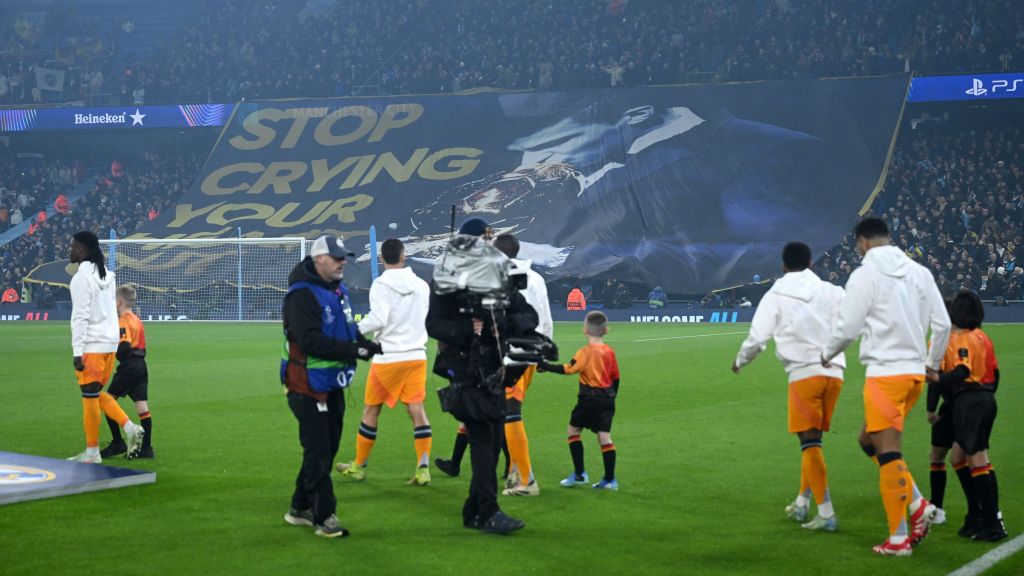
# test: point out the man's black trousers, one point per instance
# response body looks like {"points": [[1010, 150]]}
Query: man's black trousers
{"points": [[319, 433], [484, 444]]}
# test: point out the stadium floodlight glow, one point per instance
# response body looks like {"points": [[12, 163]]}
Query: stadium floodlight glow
{"points": [[233, 279]]}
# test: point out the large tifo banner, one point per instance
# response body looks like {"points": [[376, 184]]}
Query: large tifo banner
{"points": [[687, 187]]}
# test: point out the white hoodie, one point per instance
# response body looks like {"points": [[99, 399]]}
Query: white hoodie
{"points": [[536, 295], [891, 300], [399, 301], [799, 312], [93, 311]]}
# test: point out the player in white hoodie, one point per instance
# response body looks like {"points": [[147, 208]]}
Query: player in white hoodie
{"points": [[799, 312], [891, 301], [399, 301], [94, 339], [521, 480]]}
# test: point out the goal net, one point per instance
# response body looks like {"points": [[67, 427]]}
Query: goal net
{"points": [[206, 279]]}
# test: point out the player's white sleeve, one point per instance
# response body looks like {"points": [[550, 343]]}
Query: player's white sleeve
{"points": [[852, 313], [380, 310], [940, 325], [80, 313], [762, 328], [545, 325]]}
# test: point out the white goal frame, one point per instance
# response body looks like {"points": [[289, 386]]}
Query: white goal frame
{"points": [[236, 277]]}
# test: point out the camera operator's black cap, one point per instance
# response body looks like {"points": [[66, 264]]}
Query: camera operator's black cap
{"points": [[474, 227]]}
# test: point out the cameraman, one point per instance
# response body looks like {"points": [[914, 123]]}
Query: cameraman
{"points": [[471, 345]]}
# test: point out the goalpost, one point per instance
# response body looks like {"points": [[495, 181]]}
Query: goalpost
{"points": [[235, 279]]}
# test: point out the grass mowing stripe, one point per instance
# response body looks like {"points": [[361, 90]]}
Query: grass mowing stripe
{"points": [[684, 337], [990, 558]]}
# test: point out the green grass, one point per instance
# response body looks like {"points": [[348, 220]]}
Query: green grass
{"points": [[705, 467]]}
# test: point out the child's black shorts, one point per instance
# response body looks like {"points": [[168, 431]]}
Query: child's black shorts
{"points": [[131, 379], [942, 430], [593, 412], [974, 412]]}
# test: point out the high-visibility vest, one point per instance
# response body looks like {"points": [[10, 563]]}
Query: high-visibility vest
{"points": [[576, 300], [10, 296]]}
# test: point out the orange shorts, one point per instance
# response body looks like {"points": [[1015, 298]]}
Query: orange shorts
{"points": [[519, 390], [812, 402], [394, 381], [98, 368], [888, 400]]}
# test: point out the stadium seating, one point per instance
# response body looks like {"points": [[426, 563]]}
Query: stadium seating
{"points": [[953, 195], [227, 51]]}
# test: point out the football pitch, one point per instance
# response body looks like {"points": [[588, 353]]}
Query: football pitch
{"points": [[705, 468]]}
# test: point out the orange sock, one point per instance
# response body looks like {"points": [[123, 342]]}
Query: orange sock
{"points": [[364, 442], [423, 439], [112, 409], [815, 472], [91, 420], [895, 488], [519, 448]]}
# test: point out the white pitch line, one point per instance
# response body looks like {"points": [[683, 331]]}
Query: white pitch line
{"points": [[689, 336], [990, 558]]}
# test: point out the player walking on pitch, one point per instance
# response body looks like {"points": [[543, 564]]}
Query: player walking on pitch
{"points": [[94, 338], [521, 481], [891, 301], [399, 301], [799, 313]]}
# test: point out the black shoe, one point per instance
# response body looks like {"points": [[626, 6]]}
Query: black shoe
{"points": [[115, 448], [446, 466], [146, 453], [971, 526], [473, 523], [499, 523], [992, 533]]}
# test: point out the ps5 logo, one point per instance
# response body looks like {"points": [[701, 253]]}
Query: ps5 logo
{"points": [[978, 89], [978, 86]]}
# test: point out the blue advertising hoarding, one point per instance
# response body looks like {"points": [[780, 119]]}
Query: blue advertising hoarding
{"points": [[123, 117], [968, 87]]}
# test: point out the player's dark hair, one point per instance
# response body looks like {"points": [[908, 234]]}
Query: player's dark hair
{"points": [[391, 249], [966, 310], [796, 256], [871, 228], [508, 244], [93, 252]]}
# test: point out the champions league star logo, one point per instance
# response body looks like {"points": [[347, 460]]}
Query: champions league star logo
{"points": [[12, 475]]}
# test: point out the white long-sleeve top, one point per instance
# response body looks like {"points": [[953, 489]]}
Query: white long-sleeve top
{"points": [[399, 301], [536, 295], [799, 312], [892, 301], [93, 311]]}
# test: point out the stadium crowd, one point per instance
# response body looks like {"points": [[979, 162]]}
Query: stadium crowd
{"points": [[122, 199], [953, 196], [954, 199], [235, 50]]}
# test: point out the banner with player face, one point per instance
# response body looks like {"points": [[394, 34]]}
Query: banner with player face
{"points": [[688, 187]]}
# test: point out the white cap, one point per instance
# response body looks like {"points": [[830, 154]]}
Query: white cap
{"points": [[331, 245]]}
